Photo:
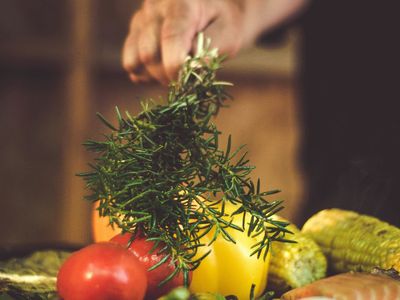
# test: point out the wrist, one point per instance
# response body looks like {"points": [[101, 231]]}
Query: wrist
{"points": [[263, 16]]}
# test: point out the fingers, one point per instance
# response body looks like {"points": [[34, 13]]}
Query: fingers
{"points": [[184, 20], [130, 55], [150, 52], [224, 32], [162, 34], [176, 43], [159, 40]]}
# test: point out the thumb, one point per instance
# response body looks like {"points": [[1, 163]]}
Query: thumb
{"points": [[178, 33], [225, 37], [176, 43]]}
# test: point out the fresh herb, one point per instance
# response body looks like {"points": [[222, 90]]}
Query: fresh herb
{"points": [[162, 172], [32, 277]]}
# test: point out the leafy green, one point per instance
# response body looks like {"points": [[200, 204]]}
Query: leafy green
{"points": [[32, 277]]}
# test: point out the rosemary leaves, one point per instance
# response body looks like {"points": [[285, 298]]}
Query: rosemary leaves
{"points": [[162, 172]]}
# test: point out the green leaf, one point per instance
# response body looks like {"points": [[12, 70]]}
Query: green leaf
{"points": [[32, 277]]}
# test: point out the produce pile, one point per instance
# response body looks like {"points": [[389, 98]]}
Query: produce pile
{"points": [[185, 220], [363, 250]]}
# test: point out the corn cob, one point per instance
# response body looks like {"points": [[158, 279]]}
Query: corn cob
{"points": [[354, 242], [293, 265]]}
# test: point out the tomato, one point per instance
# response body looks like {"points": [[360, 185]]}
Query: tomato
{"points": [[102, 271], [141, 249]]}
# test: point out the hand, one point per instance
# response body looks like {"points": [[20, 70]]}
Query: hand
{"points": [[163, 32]]}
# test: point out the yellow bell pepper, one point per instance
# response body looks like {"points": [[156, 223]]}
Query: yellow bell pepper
{"points": [[229, 269]]}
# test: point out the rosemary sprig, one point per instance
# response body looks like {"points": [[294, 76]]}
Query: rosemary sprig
{"points": [[162, 172]]}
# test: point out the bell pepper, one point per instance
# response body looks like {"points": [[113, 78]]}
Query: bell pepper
{"points": [[229, 269]]}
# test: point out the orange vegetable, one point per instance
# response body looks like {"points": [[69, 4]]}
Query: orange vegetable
{"points": [[101, 229]]}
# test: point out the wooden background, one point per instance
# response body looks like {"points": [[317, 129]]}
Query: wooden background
{"points": [[59, 64]]}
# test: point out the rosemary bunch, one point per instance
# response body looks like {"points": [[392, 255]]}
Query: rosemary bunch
{"points": [[162, 172]]}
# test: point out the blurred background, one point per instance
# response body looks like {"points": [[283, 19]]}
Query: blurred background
{"points": [[60, 64]]}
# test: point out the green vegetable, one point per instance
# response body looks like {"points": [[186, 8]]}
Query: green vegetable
{"points": [[162, 171], [32, 277], [179, 293], [182, 293]]}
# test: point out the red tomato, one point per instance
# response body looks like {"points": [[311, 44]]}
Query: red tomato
{"points": [[141, 249], [102, 271]]}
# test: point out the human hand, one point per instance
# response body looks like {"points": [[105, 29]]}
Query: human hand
{"points": [[163, 32]]}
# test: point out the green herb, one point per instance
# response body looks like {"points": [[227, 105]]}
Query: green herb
{"points": [[162, 172], [32, 277]]}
